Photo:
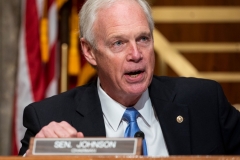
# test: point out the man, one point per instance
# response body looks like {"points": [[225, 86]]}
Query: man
{"points": [[179, 116]]}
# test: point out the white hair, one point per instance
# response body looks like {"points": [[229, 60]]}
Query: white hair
{"points": [[89, 11]]}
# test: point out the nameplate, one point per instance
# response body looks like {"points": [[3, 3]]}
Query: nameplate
{"points": [[85, 146]]}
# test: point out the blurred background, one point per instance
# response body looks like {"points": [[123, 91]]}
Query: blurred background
{"points": [[40, 54]]}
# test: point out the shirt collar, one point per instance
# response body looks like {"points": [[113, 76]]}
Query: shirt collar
{"points": [[113, 111]]}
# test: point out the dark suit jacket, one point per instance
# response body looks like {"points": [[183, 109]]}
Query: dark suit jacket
{"points": [[210, 126]]}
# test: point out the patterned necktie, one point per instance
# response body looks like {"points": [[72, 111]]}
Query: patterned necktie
{"points": [[130, 115]]}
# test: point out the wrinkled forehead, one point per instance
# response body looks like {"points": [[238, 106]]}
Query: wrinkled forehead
{"points": [[104, 4], [119, 12]]}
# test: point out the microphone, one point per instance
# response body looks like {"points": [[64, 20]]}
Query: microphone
{"points": [[139, 134]]}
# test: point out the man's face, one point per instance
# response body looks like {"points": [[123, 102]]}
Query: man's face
{"points": [[124, 55]]}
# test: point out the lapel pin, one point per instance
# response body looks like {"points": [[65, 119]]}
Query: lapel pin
{"points": [[179, 119]]}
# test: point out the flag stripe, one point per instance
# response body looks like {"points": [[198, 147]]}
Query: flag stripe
{"points": [[53, 24], [50, 68], [52, 72], [32, 39], [23, 88], [35, 79]]}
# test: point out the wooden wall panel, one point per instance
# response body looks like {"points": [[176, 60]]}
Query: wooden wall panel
{"points": [[195, 2], [206, 32], [199, 32]]}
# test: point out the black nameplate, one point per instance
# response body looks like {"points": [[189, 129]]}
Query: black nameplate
{"points": [[85, 146]]}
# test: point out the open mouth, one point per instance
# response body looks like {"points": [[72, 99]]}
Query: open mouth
{"points": [[134, 74]]}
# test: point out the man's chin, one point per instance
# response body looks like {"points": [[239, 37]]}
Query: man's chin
{"points": [[137, 90]]}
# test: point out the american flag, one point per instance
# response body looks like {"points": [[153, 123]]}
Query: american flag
{"points": [[37, 76]]}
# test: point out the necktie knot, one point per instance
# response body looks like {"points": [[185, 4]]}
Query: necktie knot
{"points": [[130, 115]]}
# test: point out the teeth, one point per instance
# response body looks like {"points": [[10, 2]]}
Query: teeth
{"points": [[134, 76]]}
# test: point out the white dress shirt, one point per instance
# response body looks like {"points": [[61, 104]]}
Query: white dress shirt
{"points": [[147, 122]]}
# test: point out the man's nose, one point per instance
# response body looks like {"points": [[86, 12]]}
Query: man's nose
{"points": [[134, 53]]}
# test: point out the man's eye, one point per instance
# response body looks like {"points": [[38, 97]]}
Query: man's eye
{"points": [[118, 46], [144, 38], [118, 43]]}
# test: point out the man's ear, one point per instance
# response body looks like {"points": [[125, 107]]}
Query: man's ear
{"points": [[87, 51]]}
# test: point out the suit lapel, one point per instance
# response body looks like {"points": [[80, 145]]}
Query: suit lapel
{"points": [[176, 134], [89, 117]]}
